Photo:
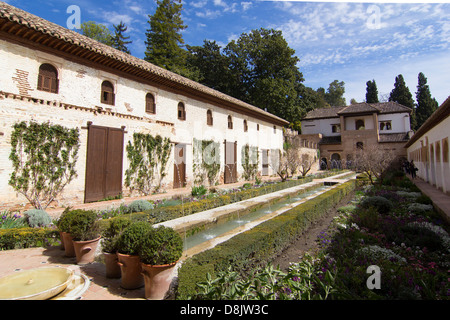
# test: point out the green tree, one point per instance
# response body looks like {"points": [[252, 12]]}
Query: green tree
{"points": [[403, 96], [371, 92], [335, 94], [211, 65], [119, 41], [425, 104], [264, 72], [97, 31], [164, 40]]}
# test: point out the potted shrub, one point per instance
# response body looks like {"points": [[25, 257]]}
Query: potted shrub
{"points": [[109, 245], [63, 225], [127, 254], [85, 234], [159, 251]]}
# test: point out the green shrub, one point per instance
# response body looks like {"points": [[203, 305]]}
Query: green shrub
{"points": [[37, 218], [423, 199], [65, 220], [131, 237], [160, 246], [199, 191], [83, 225], [20, 238], [382, 204], [140, 206], [112, 233]]}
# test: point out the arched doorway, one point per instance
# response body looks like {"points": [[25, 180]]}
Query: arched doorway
{"points": [[335, 161]]}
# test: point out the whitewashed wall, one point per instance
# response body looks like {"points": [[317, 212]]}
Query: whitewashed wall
{"points": [[435, 170], [80, 87]]}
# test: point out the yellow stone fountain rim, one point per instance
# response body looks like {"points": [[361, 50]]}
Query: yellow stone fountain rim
{"points": [[35, 284]]}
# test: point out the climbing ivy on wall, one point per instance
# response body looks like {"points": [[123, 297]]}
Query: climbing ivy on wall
{"points": [[250, 162], [43, 158], [148, 157], [206, 161]]}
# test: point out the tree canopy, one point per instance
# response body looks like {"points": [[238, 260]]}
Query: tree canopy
{"points": [[119, 40], [371, 92], [402, 95], [425, 104], [164, 39], [97, 31]]}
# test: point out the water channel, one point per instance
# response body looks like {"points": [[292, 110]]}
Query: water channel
{"points": [[228, 226]]}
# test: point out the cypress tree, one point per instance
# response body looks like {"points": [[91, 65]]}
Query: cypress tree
{"points": [[119, 41], [402, 95], [426, 105], [164, 40], [371, 92]]}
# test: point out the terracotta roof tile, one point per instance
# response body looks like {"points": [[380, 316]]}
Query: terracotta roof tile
{"points": [[394, 137], [335, 112], [39, 24]]}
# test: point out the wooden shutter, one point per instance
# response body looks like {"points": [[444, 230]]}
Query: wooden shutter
{"points": [[48, 78], [108, 96], [104, 163], [181, 111], [209, 118], [150, 106]]}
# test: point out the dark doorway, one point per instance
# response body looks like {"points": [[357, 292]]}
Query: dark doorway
{"points": [[265, 162], [104, 163], [230, 162], [179, 174]]}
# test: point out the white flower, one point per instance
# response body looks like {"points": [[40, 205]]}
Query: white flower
{"points": [[381, 253], [445, 238]]}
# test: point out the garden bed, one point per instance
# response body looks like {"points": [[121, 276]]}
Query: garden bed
{"points": [[259, 245], [393, 229]]}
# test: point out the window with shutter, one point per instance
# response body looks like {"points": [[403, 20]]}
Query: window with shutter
{"points": [[48, 78], [230, 122], [245, 126], [150, 105], [209, 118], [181, 111], [108, 96]]}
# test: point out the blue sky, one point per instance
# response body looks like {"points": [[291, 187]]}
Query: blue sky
{"points": [[345, 41]]}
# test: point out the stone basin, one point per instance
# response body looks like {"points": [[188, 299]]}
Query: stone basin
{"points": [[36, 284]]}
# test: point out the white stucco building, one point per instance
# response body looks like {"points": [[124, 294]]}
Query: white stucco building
{"points": [[429, 149], [49, 73]]}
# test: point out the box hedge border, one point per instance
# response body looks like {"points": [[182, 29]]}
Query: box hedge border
{"points": [[22, 238], [259, 245]]}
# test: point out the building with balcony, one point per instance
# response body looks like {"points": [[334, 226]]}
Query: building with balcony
{"points": [[341, 131]]}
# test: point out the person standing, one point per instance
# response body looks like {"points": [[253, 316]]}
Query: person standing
{"points": [[412, 169]]}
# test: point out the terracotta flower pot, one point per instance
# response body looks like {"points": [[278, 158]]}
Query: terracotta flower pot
{"points": [[62, 240], [85, 250], [111, 265], [157, 280], [130, 267], [68, 244]]}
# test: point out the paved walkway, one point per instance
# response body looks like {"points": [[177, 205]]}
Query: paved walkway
{"points": [[101, 288], [441, 201]]}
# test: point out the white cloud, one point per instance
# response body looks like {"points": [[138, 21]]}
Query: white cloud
{"points": [[246, 5]]}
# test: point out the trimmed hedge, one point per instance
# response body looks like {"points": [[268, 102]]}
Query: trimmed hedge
{"points": [[259, 245], [20, 238]]}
